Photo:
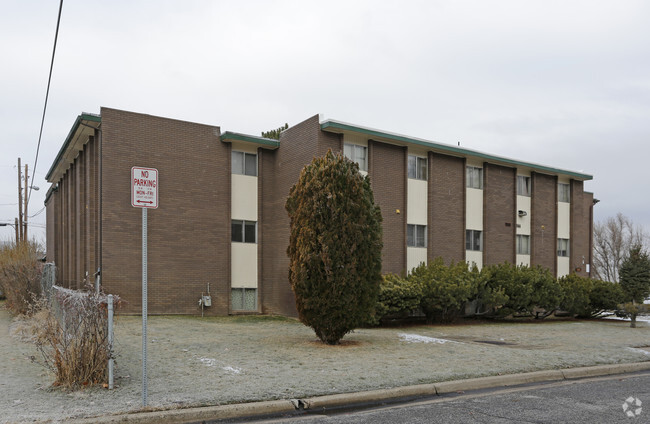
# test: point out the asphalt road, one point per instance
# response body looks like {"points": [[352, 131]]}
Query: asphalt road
{"points": [[593, 400]]}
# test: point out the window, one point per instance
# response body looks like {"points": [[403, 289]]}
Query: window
{"points": [[417, 167], [242, 299], [244, 163], [563, 247], [523, 244], [474, 240], [357, 154], [243, 231], [474, 177], [416, 235], [563, 192], [523, 185]]}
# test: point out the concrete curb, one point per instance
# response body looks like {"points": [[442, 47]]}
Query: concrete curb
{"points": [[197, 414], [373, 396], [497, 381]]}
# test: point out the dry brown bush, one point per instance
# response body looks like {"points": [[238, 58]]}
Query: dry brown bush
{"points": [[71, 333], [20, 275]]}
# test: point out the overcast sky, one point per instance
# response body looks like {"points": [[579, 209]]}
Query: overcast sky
{"points": [[562, 83]]}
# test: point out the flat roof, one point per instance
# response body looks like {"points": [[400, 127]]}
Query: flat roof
{"points": [[339, 127], [84, 126], [266, 143]]}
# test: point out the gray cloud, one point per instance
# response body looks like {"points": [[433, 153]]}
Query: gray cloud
{"points": [[554, 82]]}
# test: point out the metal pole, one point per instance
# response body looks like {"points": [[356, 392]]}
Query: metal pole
{"points": [[98, 279], [20, 203], [26, 201], [144, 307], [110, 342]]}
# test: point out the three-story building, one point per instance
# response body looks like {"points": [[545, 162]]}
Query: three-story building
{"points": [[221, 226]]}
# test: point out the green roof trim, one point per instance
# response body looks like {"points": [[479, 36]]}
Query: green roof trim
{"points": [[229, 137], [333, 126], [77, 123]]}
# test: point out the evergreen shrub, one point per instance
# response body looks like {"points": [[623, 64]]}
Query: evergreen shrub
{"points": [[334, 247], [398, 297], [445, 289]]}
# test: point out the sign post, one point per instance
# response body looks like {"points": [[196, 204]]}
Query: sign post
{"points": [[144, 195]]}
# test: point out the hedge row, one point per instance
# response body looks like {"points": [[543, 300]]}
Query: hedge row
{"points": [[444, 292]]}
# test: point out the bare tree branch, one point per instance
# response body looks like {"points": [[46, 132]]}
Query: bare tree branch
{"points": [[613, 239]]}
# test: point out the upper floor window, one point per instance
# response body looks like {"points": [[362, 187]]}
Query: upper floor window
{"points": [[244, 163], [562, 247], [358, 154], [243, 231], [523, 244], [523, 185], [474, 177], [473, 240], [563, 193], [417, 167], [416, 235]]}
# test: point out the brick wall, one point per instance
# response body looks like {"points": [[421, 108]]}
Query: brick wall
{"points": [[387, 170], [79, 212], [499, 214], [72, 220], [446, 220], [298, 146], [189, 233], [543, 221], [589, 205], [51, 221], [580, 238]]}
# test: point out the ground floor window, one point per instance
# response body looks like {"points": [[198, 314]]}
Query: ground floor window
{"points": [[243, 299], [473, 240]]}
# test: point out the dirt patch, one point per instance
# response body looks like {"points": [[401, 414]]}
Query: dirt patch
{"points": [[342, 344], [495, 342]]}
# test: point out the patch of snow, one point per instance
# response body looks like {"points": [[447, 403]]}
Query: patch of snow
{"points": [[208, 362], [636, 349], [232, 370], [641, 318], [416, 338], [211, 362]]}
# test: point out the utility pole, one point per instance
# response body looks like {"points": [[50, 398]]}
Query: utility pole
{"points": [[20, 204], [17, 231], [26, 200]]}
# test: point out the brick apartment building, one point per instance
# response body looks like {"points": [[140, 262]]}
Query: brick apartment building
{"points": [[221, 225]]}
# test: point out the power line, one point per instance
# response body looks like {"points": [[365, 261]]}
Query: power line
{"points": [[47, 95], [37, 213]]}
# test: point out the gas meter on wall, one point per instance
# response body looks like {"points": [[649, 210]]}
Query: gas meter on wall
{"points": [[206, 300]]}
